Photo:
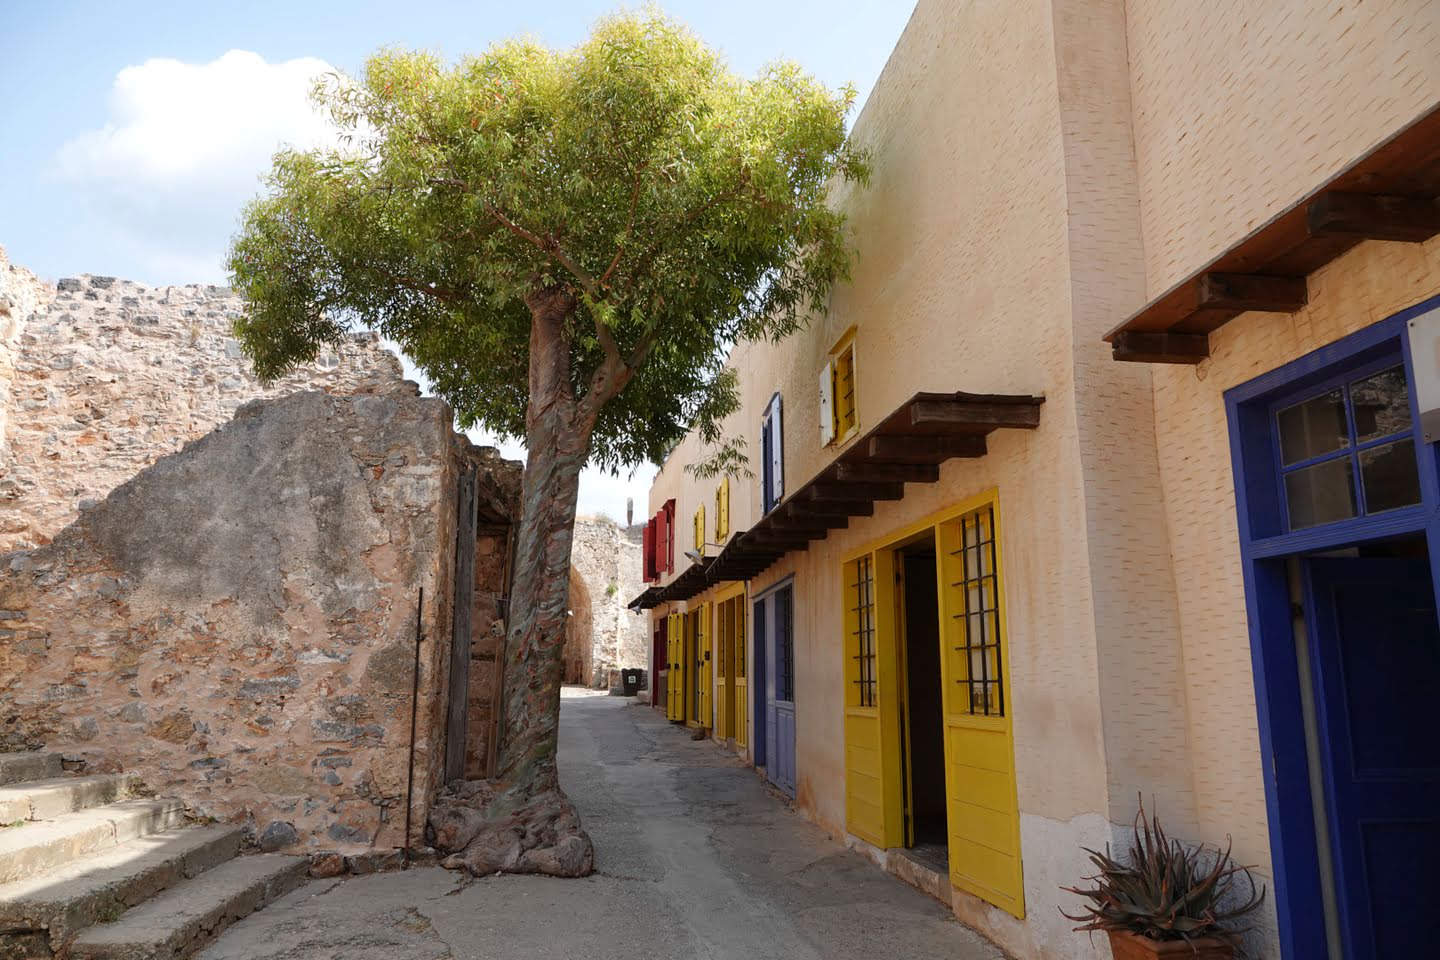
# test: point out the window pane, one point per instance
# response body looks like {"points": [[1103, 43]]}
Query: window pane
{"points": [[1314, 427], [1390, 476], [1381, 403], [1323, 493]]}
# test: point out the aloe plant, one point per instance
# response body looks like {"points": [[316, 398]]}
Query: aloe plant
{"points": [[1166, 890]]}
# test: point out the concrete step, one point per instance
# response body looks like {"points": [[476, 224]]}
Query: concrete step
{"points": [[47, 799], [61, 902], [34, 847], [186, 917], [17, 767]]}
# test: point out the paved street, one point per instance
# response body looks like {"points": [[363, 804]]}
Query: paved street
{"points": [[696, 858]]}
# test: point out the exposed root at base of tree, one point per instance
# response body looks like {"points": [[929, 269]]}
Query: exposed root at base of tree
{"points": [[484, 830]]}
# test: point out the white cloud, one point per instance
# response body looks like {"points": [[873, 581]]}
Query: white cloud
{"points": [[184, 146]]}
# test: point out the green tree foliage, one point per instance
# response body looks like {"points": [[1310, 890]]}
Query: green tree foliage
{"points": [[681, 204], [565, 242]]}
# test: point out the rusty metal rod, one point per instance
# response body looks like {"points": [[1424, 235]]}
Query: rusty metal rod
{"points": [[414, 710]]}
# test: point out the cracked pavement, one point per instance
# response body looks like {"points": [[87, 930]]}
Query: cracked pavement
{"points": [[695, 857]]}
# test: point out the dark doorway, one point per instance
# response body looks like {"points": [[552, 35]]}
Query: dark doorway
{"points": [[924, 716], [1376, 675]]}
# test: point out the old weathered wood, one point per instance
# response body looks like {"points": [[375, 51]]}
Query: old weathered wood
{"points": [[979, 415], [1374, 216], [1241, 292], [831, 508], [1144, 346], [457, 721], [901, 448], [854, 490], [887, 472]]}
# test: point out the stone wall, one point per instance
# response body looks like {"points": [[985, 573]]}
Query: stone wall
{"points": [[606, 558], [236, 624], [101, 376]]}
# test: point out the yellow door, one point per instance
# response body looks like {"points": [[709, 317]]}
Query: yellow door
{"points": [[674, 689], [982, 809], [740, 715], [722, 670], [873, 808], [704, 667]]}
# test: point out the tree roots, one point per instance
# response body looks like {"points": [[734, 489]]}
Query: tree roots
{"points": [[485, 830]]}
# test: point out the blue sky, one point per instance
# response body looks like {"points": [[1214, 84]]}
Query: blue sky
{"points": [[135, 131]]}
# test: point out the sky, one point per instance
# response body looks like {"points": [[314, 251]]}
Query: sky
{"points": [[134, 133]]}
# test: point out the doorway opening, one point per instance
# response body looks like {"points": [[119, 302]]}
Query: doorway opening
{"points": [[923, 715]]}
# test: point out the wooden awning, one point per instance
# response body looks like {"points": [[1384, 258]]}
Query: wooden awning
{"points": [[1392, 193], [906, 447]]}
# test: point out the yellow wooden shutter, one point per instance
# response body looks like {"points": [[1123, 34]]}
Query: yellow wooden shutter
{"points": [[874, 809], [722, 510], [699, 532], [674, 679], [983, 812]]}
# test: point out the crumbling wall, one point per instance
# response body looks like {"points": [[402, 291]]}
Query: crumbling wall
{"points": [[102, 376], [607, 558], [236, 623]]}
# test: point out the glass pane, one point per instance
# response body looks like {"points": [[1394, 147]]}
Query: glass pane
{"points": [[1314, 427], [1381, 403], [1323, 493], [1390, 476]]}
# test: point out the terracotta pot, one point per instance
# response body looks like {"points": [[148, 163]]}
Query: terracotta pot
{"points": [[1132, 946]]}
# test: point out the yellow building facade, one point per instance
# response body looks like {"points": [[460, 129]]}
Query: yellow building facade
{"points": [[1006, 585]]}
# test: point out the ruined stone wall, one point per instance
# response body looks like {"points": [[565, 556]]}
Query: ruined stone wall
{"points": [[607, 558], [102, 376], [236, 623]]}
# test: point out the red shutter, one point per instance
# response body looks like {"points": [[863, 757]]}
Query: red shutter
{"points": [[666, 547], [662, 537], [647, 552]]}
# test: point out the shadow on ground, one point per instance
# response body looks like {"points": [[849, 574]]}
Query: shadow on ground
{"points": [[695, 858]]}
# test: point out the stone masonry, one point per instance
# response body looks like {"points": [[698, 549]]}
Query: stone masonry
{"points": [[99, 377], [236, 624], [606, 559]]}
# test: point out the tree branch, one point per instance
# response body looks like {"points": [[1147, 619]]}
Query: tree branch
{"points": [[629, 226]]}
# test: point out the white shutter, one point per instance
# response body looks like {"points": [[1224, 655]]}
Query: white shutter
{"points": [[827, 404], [776, 453]]}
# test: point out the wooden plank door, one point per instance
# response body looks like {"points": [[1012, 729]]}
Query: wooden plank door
{"points": [[873, 805], [982, 815], [722, 671], [675, 675], [457, 721], [739, 683]]}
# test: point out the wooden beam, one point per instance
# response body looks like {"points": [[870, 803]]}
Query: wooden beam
{"points": [[904, 448], [1142, 346], [978, 414], [1240, 292], [832, 508], [863, 471], [792, 520], [855, 491], [1373, 216]]}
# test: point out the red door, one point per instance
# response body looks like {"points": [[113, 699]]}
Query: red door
{"points": [[659, 662]]}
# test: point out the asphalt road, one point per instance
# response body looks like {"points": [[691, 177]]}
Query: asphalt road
{"points": [[696, 858]]}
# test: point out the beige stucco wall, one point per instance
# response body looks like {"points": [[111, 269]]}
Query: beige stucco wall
{"points": [[1042, 168], [1243, 106]]}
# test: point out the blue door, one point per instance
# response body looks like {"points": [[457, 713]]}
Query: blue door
{"points": [[1375, 646], [774, 634]]}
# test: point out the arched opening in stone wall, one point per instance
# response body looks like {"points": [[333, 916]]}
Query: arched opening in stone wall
{"points": [[579, 632]]}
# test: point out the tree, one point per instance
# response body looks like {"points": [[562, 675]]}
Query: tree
{"points": [[566, 243]]}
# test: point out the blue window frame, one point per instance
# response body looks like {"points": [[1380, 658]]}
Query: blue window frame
{"points": [[1268, 540]]}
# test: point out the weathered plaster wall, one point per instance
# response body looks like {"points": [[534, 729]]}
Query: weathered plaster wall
{"points": [[236, 623], [109, 375], [606, 559]]}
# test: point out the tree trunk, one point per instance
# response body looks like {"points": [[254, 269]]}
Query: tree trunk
{"points": [[521, 822]]}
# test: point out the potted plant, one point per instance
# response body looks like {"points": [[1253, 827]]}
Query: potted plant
{"points": [[1167, 899]]}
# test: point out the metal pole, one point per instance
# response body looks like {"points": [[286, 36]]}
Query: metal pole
{"points": [[414, 710]]}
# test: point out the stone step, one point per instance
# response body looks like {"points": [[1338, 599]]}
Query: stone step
{"points": [[186, 917], [18, 767], [47, 799], [58, 904], [34, 847]]}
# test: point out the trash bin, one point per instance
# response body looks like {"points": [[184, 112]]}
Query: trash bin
{"points": [[631, 681]]}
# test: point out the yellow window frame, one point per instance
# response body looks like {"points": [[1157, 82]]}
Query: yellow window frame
{"points": [[844, 396]]}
